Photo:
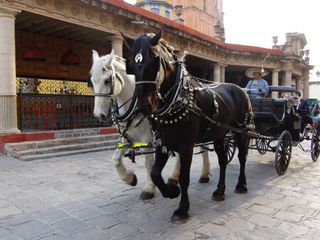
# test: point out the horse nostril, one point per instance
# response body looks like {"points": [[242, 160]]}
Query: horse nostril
{"points": [[102, 116]]}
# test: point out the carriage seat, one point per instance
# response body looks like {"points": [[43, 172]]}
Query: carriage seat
{"points": [[269, 108]]}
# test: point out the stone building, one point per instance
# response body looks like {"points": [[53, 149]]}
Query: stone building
{"points": [[162, 8], [46, 45], [206, 16]]}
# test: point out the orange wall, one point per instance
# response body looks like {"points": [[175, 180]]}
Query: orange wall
{"points": [[199, 14], [54, 48]]}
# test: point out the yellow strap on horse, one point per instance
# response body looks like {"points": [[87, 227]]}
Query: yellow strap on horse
{"points": [[134, 145], [140, 145]]}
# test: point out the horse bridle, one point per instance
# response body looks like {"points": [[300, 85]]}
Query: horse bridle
{"points": [[113, 77], [157, 80]]}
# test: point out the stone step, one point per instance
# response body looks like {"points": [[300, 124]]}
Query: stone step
{"points": [[66, 133], [64, 153], [63, 148], [22, 146]]}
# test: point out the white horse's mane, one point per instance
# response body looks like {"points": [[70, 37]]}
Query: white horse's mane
{"points": [[101, 62]]}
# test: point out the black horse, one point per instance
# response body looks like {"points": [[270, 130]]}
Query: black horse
{"points": [[184, 111]]}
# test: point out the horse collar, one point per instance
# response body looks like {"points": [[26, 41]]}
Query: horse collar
{"points": [[178, 106]]}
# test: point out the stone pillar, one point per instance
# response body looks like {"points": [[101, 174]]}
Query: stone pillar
{"points": [[299, 84], [306, 84], [223, 73], [216, 72], [288, 78], [117, 42], [8, 95], [275, 81]]}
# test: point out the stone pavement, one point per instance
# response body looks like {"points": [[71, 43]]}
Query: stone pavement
{"points": [[81, 197]]}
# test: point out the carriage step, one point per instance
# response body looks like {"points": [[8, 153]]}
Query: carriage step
{"points": [[62, 146]]}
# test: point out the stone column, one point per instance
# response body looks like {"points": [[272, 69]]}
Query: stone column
{"points": [[223, 73], [117, 42], [288, 78], [216, 72], [306, 84], [8, 97], [299, 84], [275, 81]]}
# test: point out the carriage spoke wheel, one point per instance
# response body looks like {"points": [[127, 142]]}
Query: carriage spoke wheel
{"points": [[229, 144], [261, 145], [315, 145], [283, 152]]}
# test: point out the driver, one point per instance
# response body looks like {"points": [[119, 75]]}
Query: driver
{"points": [[257, 87]]}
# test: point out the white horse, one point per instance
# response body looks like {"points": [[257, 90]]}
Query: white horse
{"points": [[111, 83]]}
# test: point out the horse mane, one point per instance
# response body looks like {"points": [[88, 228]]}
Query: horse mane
{"points": [[163, 49], [99, 64]]}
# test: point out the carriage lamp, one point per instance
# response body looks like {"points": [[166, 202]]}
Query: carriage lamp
{"points": [[318, 73]]}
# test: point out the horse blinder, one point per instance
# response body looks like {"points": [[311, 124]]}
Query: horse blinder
{"points": [[129, 69]]}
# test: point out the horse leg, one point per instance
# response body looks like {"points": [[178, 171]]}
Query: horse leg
{"points": [[181, 214], [205, 168], [125, 175], [149, 188], [173, 179], [167, 190], [218, 195], [243, 144]]}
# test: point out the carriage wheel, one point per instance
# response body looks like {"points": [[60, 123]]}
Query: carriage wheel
{"points": [[229, 143], [283, 152], [261, 145], [315, 145]]}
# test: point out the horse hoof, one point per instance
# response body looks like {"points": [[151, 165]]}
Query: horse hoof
{"points": [[173, 191], [218, 196], [173, 181], [146, 195], [241, 189], [179, 219], [134, 181], [204, 180]]}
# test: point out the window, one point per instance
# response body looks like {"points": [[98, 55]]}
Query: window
{"points": [[155, 9], [167, 13]]}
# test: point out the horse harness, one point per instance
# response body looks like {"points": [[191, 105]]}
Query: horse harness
{"points": [[126, 118]]}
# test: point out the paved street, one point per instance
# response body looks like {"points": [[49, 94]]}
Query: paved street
{"points": [[80, 197]]}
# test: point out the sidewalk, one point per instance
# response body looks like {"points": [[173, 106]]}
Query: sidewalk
{"points": [[81, 197]]}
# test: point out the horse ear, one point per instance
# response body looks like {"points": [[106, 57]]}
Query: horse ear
{"points": [[95, 55], [111, 55], [126, 41], [154, 41]]}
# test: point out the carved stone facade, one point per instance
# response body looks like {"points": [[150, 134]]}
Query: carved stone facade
{"points": [[97, 23], [206, 16]]}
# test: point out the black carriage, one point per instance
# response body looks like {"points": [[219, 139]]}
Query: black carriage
{"points": [[312, 128], [279, 128]]}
